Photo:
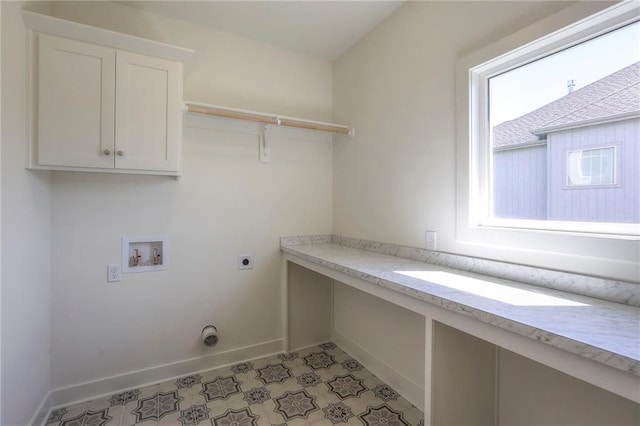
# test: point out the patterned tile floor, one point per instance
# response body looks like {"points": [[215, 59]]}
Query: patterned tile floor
{"points": [[321, 385]]}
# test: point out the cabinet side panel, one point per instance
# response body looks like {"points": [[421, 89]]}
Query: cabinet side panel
{"points": [[76, 103], [534, 394], [463, 378]]}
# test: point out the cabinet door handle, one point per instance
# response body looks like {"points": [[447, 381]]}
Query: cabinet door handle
{"points": [[106, 152], [120, 153]]}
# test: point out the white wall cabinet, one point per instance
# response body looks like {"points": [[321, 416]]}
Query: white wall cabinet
{"points": [[104, 108], [103, 101]]}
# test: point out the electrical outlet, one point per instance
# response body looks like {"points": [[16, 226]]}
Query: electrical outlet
{"points": [[430, 240], [245, 261], [114, 273]]}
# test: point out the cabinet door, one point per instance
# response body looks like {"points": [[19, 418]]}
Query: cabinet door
{"points": [[148, 112], [76, 89]]}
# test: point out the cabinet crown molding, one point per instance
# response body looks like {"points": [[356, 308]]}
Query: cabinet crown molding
{"points": [[60, 27]]}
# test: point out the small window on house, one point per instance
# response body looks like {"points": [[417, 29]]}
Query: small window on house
{"points": [[591, 167], [536, 113]]}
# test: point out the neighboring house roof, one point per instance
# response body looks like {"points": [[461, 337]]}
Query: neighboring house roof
{"points": [[613, 95]]}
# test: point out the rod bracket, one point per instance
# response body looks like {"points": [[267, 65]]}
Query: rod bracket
{"points": [[265, 135], [265, 147]]}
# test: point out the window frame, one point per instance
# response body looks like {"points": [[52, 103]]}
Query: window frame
{"points": [[610, 250]]}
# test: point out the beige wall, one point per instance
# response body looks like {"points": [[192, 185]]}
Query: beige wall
{"points": [[26, 240], [226, 204]]}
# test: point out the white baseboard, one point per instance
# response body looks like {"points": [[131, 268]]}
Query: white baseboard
{"points": [[409, 390], [313, 345], [42, 412], [149, 376]]}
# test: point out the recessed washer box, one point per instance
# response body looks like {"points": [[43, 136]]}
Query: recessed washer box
{"points": [[145, 254]]}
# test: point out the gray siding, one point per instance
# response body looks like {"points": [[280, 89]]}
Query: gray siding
{"points": [[520, 183], [619, 204]]}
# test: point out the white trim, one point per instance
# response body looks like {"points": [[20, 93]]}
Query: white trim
{"points": [[608, 254], [284, 294], [32, 166], [311, 345], [105, 386], [618, 231], [412, 392], [41, 414], [60, 27], [429, 383]]}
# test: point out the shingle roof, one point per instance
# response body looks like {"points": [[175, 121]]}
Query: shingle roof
{"points": [[615, 94]]}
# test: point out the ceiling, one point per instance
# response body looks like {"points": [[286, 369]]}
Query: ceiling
{"points": [[325, 29]]}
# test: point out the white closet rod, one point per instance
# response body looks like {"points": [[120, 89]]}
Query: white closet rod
{"points": [[259, 117]]}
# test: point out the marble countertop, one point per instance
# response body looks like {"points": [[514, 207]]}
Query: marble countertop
{"points": [[600, 330]]}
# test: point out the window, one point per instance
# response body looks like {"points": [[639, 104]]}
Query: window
{"points": [[591, 167], [510, 211], [538, 113]]}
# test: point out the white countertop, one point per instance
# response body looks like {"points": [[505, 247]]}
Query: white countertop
{"points": [[600, 330]]}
